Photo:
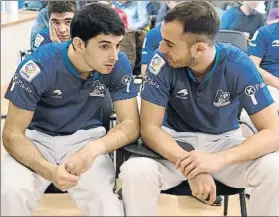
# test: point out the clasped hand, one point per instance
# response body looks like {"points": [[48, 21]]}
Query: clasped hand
{"points": [[195, 162]]}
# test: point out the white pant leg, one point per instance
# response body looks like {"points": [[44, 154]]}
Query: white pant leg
{"points": [[21, 189], [261, 174], [94, 194], [144, 178], [142, 181]]}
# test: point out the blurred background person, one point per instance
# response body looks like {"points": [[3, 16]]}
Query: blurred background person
{"points": [[136, 12], [244, 18]]}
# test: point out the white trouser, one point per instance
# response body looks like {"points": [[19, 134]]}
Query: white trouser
{"points": [[22, 188], [144, 178], [245, 117]]}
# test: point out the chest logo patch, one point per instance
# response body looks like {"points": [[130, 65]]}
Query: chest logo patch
{"points": [[222, 99], [98, 89], [182, 94], [275, 43]]}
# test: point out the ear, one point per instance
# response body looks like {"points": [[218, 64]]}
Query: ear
{"points": [[78, 44], [198, 49]]}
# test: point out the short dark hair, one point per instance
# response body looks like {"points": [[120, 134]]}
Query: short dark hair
{"points": [[95, 19], [61, 6], [198, 18]]}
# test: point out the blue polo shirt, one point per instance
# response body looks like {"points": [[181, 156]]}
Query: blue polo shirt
{"points": [[235, 19], [47, 83], [43, 37], [210, 106], [265, 45], [151, 43]]}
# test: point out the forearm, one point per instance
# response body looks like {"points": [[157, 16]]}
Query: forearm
{"points": [[120, 135], [143, 70], [163, 143], [260, 144], [24, 151], [269, 78]]}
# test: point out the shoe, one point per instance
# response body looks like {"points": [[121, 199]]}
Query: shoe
{"points": [[218, 201]]}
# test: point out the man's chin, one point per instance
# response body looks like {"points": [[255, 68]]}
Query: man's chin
{"points": [[64, 39]]}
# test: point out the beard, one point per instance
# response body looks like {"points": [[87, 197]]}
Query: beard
{"points": [[189, 62]]}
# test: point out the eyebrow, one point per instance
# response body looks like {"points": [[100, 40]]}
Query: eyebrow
{"points": [[168, 41], [66, 19], [108, 42]]}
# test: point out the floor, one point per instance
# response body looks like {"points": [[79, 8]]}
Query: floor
{"points": [[63, 205]]}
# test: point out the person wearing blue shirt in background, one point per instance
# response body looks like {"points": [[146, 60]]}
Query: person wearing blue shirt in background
{"points": [[244, 18], [154, 37], [136, 12], [54, 131], [152, 41], [41, 22], [264, 52], [192, 93], [61, 14]]}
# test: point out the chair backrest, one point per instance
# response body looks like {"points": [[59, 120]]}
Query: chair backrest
{"points": [[107, 110], [235, 38]]}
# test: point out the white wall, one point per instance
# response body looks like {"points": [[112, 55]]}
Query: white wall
{"points": [[13, 39]]}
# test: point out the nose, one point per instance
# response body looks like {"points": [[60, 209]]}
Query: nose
{"points": [[62, 28], [114, 54]]}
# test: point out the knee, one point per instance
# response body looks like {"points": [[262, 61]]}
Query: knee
{"points": [[269, 167], [139, 168]]}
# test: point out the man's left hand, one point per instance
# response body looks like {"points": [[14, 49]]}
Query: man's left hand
{"points": [[80, 161], [195, 162]]}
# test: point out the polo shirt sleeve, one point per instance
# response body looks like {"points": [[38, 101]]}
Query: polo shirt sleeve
{"points": [[227, 19], [157, 84], [122, 84], [258, 44], [250, 88], [27, 85]]}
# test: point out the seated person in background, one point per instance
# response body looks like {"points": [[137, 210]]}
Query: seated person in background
{"points": [[164, 8], [264, 52], [273, 15], [120, 12], [54, 131], [192, 93], [153, 39], [61, 14], [219, 10], [136, 12], [244, 19], [41, 22]]}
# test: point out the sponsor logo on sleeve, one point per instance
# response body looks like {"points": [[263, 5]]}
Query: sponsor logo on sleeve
{"points": [[38, 40], [126, 80], [156, 64], [29, 70], [18, 81]]}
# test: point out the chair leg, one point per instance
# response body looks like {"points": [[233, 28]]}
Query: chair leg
{"points": [[226, 204], [242, 204]]}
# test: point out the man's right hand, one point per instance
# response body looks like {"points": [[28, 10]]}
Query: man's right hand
{"points": [[203, 187], [62, 179], [52, 33]]}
